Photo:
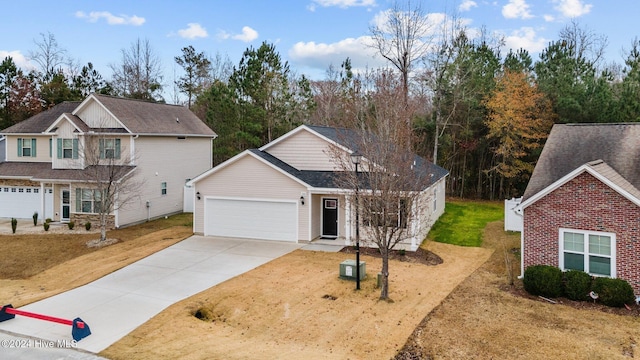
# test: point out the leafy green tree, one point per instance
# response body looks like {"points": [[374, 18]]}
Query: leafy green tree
{"points": [[56, 90], [197, 73], [628, 100]]}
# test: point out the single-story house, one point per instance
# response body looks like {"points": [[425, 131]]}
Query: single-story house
{"points": [[581, 208], [51, 162], [287, 191]]}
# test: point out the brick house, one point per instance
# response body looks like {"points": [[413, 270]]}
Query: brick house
{"points": [[581, 208]]}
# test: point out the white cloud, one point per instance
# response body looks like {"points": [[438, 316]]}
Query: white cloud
{"points": [[247, 35], [111, 19], [340, 3], [467, 5], [527, 39], [434, 21], [572, 8], [516, 9], [549, 18], [193, 30], [320, 55], [20, 60]]}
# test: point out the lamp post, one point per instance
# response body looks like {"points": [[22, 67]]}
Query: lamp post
{"points": [[355, 159]]}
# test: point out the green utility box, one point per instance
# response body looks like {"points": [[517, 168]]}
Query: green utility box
{"points": [[348, 270]]}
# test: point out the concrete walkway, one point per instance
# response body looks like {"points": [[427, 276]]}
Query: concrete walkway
{"points": [[118, 303]]}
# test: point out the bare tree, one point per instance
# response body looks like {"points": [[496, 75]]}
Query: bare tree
{"points": [[404, 37], [583, 43], [109, 177], [139, 74], [49, 55], [390, 184]]}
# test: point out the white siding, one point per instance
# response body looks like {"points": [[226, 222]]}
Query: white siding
{"points": [[96, 116], [250, 178], [304, 151], [65, 131], [164, 159]]}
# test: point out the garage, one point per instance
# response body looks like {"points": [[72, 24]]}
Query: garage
{"points": [[252, 219], [22, 201]]}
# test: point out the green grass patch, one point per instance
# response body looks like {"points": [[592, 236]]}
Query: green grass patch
{"points": [[462, 222]]}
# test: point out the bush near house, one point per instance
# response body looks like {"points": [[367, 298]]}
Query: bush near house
{"points": [[543, 280], [613, 292], [577, 285]]}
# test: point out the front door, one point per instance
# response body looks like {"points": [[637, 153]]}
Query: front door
{"points": [[65, 205], [330, 218]]}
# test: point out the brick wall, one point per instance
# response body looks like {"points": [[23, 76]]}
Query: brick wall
{"points": [[18, 182], [583, 203], [80, 219]]}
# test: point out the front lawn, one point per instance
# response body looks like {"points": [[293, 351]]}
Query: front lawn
{"points": [[463, 221]]}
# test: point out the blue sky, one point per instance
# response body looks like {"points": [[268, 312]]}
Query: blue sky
{"points": [[309, 34]]}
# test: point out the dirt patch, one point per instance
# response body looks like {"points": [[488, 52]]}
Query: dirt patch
{"points": [[297, 307], [421, 255], [480, 320]]}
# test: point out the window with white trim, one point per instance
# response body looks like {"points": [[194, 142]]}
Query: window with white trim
{"points": [[379, 213], [88, 201], [163, 188], [109, 148], [590, 251], [26, 147]]}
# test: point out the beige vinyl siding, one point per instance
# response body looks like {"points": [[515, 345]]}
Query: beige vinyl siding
{"points": [[164, 159], [65, 130], [304, 151], [250, 178], [97, 116], [42, 148]]}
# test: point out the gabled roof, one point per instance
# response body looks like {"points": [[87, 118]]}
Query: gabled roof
{"points": [[345, 138], [136, 116], [40, 122], [598, 169], [573, 146], [143, 117]]}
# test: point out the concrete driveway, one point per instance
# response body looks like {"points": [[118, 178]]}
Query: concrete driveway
{"points": [[118, 303]]}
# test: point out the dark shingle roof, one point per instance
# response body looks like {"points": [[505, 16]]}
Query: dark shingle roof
{"points": [[41, 121], [143, 117], [570, 146], [38, 171]]}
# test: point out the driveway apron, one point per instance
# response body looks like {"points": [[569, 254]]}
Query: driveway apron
{"points": [[118, 303]]}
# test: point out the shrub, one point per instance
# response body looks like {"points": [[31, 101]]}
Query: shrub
{"points": [[48, 220], [46, 225], [35, 218], [613, 292], [71, 224], [577, 285], [543, 280], [14, 225], [87, 225]]}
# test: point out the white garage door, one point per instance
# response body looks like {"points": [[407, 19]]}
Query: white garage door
{"points": [[253, 219], [22, 201]]}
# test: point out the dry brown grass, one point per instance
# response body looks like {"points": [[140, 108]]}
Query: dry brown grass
{"points": [[39, 266], [296, 307], [481, 321]]}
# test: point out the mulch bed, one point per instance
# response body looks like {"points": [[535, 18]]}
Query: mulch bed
{"points": [[420, 256], [582, 305]]}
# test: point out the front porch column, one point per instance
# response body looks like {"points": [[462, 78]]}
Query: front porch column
{"points": [[415, 227], [43, 202], [348, 221]]}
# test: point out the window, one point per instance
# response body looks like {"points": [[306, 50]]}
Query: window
{"points": [[20, 190], [13, 190], [109, 148], [163, 188], [67, 148], [393, 214], [589, 251], [88, 201], [26, 147], [28, 190], [36, 191]]}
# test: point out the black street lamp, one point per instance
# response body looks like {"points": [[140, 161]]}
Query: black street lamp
{"points": [[355, 159]]}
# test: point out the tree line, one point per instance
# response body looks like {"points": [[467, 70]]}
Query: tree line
{"points": [[481, 115]]}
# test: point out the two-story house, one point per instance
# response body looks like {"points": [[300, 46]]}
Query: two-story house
{"points": [[47, 161]]}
